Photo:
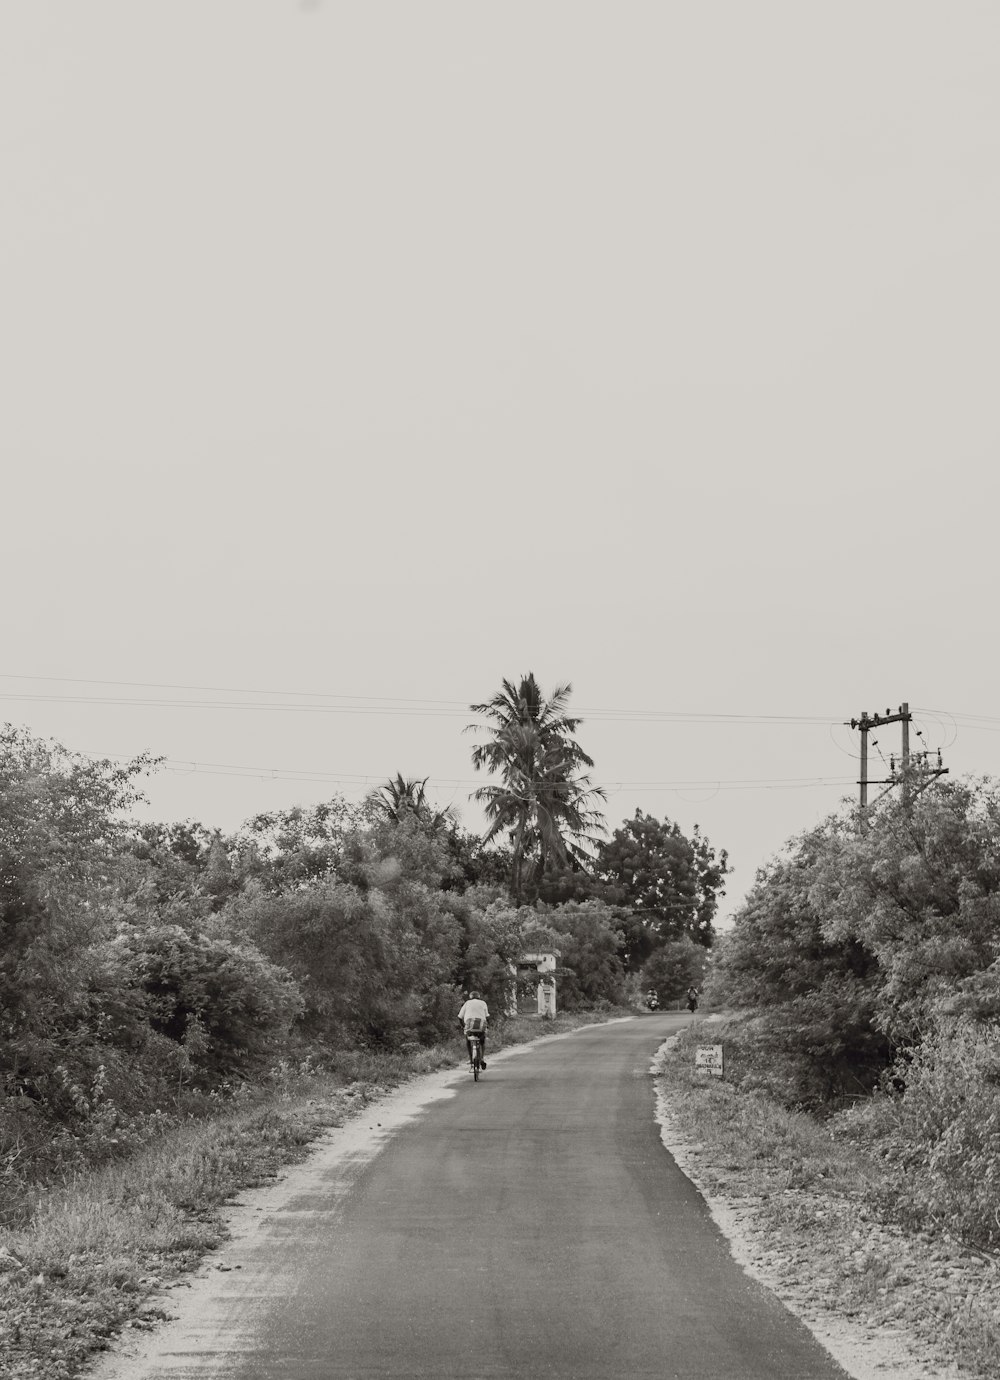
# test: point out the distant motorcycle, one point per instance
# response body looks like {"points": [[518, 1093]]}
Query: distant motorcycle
{"points": [[652, 1001], [692, 1000]]}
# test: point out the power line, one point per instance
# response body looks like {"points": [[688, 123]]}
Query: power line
{"points": [[219, 689], [185, 766], [133, 702], [356, 704], [952, 714], [401, 704]]}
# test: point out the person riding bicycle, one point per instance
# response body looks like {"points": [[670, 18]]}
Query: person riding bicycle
{"points": [[474, 1018]]}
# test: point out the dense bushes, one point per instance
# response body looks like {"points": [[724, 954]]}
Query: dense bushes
{"points": [[145, 968], [855, 941], [936, 1127], [868, 962], [148, 969], [224, 1005]]}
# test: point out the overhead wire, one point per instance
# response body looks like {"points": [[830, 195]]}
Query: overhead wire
{"points": [[185, 766], [948, 723], [218, 689], [855, 756], [356, 703], [349, 702], [329, 702]]}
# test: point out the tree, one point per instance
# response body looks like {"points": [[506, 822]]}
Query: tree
{"points": [[919, 889], [546, 803], [62, 828], [671, 883], [400, 798], [475, 862], [285, 848], [73, 1027], [491, 945], [810, 997], [590, 970], [674, 967], [186, 861]]}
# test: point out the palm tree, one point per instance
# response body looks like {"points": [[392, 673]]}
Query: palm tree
{"points": [[401, 798], [546, 802]]}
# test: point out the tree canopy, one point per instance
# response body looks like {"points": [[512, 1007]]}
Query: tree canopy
{"points": [[670, 883], [546, 802], [856, 942], [146, 965]]}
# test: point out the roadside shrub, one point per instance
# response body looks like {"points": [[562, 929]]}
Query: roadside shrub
{"points": [[330, 936], [936, 1126], [811, 1051], [225, 1004]]}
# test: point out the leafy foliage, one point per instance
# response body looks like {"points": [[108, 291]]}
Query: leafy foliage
{"points": [[674, 967], [224, 1004], [61, 892], [856, 941], [283, 848], [920, 891], [401, 798], [591, 970], [143, 967], [493, 939], [941, 1136], [546, 803], [586, 940], [671, 883], [818, 995]]}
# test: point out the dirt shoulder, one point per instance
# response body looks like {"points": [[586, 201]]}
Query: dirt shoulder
{"points": [[887, 1304]]}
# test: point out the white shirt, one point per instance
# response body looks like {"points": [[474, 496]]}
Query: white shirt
{"points": [[472, 1009]]}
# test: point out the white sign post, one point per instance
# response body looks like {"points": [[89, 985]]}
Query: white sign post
{"points": [[709, 1058]]}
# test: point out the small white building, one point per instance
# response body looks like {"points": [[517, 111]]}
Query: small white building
{"points": [[544, 965]]}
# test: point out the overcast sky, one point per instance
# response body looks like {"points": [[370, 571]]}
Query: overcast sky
{"points": [[372, 352]]}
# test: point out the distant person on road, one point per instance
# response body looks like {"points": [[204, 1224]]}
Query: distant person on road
{"points": [[692, 999], [473, 1018]]}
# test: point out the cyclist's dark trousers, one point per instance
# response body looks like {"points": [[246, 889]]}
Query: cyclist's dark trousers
{"points": [[482, 1044]]}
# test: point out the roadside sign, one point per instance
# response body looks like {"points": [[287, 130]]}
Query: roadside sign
{"points": [[709, 1058]]}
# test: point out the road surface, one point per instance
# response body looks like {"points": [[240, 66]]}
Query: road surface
{"points": [[528, 1225]]}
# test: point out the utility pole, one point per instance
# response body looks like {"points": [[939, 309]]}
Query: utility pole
{"points": [[904, 710], [903, 716]]}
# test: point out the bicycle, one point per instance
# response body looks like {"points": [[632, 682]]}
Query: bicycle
{"points": [[475, 1053]]}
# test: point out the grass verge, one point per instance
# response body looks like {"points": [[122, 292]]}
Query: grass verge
{"points": [[816, 1218], [95, 1251]]}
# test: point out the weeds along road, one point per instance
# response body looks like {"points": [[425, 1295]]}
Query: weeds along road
{"points": [[530, 1224]]}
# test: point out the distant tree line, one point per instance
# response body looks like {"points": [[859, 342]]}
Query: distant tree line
{"points": [[143, 965]]}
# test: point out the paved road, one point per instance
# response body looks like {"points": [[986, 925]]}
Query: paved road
{"points": [[530, 1225]]}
